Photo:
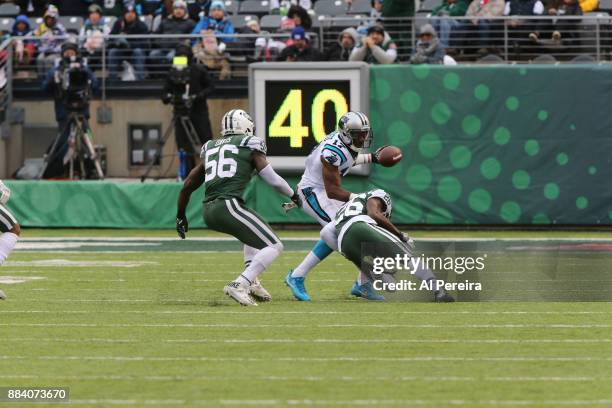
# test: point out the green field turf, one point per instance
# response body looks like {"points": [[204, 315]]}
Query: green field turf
{"points": [[145, 323]]}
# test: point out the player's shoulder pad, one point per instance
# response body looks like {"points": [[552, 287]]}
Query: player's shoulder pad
{"points": [[255, 143]]}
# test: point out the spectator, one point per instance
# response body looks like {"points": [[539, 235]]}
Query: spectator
{"points": [[554, 28], [376, 47], [589, 5], [177, 23], [72, 7], [126, 49], [519, 29], [266, 48], [32, 8], [149, 7], [52, 34], [300, 17], [24, 49], [480, 13], [113, 7], [444, 24], [217, 23], [376, 11], [92, 35], [198, 9], [341, 50], [300, 50], [207, 52], [428, 49]]}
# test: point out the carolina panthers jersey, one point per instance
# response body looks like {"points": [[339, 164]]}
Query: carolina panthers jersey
{"points": [[334, 152], [228, 166]]}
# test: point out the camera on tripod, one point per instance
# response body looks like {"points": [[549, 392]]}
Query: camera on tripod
{"points": [[179, 76], [73, 81]]}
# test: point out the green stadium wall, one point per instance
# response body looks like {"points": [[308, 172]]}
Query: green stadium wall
{"points": [[495, 145]]}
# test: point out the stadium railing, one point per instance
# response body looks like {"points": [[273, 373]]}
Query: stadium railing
{"points": [[6, 84]]}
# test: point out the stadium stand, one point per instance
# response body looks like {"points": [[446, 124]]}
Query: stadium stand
{"points": [[9, 10]]}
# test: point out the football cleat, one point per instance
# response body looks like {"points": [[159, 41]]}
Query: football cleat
{"points": [[2, 295], [366, 291], [297, 287], [442, 296], [259, 292], [240, 293]]}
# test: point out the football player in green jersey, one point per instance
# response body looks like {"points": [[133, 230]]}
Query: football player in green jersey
{"points": [[365, 219], [228, 164]]}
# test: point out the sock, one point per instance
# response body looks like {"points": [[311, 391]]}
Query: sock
{"points": [[262, 259], [7, 243], [318, 253], [249, 253]]}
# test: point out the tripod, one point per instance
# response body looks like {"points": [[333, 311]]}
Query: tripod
{"points": [[79, 146], [178, 117]]}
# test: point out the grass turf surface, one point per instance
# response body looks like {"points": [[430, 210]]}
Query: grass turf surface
{"points": [[152, 327]]}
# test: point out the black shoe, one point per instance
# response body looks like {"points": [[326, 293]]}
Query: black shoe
{"points": [[442, 296]]}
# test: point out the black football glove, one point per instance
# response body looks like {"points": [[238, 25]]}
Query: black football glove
{"points": [[376, 153], [182, 227], [295, 203]]}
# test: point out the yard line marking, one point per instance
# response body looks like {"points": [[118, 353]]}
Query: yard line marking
{"points": [[310, 341], [354, 402], [317, 359], [310, 239]]}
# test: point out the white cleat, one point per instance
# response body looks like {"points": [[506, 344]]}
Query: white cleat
{"points": [[2, 295], [240, 293], [259, 292]]}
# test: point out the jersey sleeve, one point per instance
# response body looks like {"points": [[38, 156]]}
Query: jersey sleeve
{"points": [[333, 155], [256, 144]]}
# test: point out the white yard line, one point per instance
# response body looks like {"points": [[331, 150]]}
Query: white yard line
{"points": [[292, 326], [309, 312]]}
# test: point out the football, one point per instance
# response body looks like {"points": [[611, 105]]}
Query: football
{"points": [[389, 155]]}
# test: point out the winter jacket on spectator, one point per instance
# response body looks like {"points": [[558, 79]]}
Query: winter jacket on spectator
{"points": [[25, 31], [136, 27], [428, 51], [24, 49], [32, 8], [563, 8], [384, 52], [589, 5], [485, 8], [149, 7], [91, 36], [293, 53], [217, 22], [49, 41], [172, 25], [112, 7], [523, 8], [338, 51], [72, 7], [453, 8]]}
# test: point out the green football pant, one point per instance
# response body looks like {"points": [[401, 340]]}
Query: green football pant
{"points": [[232, 217], [362, 240]]}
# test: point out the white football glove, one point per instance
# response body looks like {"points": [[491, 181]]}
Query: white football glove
{"points": [[408, 241], [5, 193]]}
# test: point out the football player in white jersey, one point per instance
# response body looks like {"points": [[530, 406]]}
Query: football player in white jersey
{"points": [[322, 195], [9, 228]]}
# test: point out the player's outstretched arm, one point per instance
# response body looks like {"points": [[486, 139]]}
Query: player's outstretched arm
{"points": [[266, 172], [363, 158], [376, 207], [332, 182], [193, 181]]}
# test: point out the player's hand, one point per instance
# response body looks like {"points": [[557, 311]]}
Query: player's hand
{"points": [[5, 193], [182, 227], [408, 241], [295, 198], [376, 153]]}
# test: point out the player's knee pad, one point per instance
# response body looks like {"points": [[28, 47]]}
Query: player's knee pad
{"points": [[279, 247]]}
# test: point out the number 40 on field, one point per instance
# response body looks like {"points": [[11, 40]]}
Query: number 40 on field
{"points": [[290, 112]]}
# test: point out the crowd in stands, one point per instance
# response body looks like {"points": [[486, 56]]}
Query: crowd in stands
{"points": [[214, 44]]}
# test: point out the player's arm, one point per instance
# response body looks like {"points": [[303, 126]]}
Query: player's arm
{"points": [[266, 172], [376, 208], [5, 193], [332, 182], [363, 158], [193, 181]]}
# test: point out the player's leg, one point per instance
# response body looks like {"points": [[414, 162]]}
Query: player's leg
{"points": [[256, 289], [321, 208], [9, 234], [233, 218]]}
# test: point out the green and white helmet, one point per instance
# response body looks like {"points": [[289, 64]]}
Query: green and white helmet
{"points": [[237, 122], [385, 197]]}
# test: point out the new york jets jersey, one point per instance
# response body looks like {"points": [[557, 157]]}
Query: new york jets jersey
{"points": [[357, 210], [334, 152], [228, 165]]}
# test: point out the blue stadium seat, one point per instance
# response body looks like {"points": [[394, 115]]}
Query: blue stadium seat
{"points": [[330, 7]]}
